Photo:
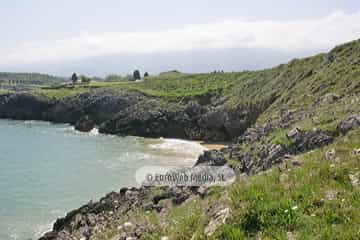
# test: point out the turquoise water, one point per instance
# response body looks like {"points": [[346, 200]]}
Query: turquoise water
{"points": [[48, 169]]}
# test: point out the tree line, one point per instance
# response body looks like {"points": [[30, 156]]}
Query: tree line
{"points": [[75, 78], [129, 77]]}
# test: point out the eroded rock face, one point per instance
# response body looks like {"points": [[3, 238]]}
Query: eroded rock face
{"points": [[211, 158], [350, 123], [132, 113], [100, 106], [85, 124], [219, 218], [83, 223], [254, 152], [223, 124], [151, 118], [308, 140], [23, 106]]}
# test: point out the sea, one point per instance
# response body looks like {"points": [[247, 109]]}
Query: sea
{"points": [[47, 170]]}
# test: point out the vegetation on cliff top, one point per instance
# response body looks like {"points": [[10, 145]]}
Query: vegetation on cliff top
{"points": [[314, 76], [320, 91]]}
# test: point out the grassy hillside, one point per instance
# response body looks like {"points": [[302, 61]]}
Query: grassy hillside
{"points": [[318, 200], [320, 71], [326, 86]]}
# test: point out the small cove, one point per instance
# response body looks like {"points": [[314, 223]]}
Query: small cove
{"points": [[49, 169]]}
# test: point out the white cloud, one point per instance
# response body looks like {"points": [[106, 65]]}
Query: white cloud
{"points": [[320, 33]]}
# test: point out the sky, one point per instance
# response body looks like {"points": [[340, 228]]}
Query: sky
{"points": [[98, 38]]}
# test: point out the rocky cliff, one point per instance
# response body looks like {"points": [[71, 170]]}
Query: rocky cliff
{"points": [[132, 113]]}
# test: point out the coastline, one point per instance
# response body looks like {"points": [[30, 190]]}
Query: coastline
{"points": [[265, 123], [157, 145]]}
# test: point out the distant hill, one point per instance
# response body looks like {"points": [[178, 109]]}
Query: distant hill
{"points": [[29, 78]]}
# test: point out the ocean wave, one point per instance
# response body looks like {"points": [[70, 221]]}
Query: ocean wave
{"points": [[185, 147], [12, 233], [94, 132], [37, 122], [41, 229], [68, 129], [14, 236], [72, 130]]}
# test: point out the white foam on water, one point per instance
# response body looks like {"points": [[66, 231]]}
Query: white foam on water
{"points": [[145, 156], [188, 148], [14, 236], [29, 121], [72, 130], [36, 122], [94, 132], [41, 229], [68, 128]]}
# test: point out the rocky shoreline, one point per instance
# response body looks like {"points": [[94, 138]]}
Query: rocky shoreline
{"points": [[132, 113], [95, 217]]}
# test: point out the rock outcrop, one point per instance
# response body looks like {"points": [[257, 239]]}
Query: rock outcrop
{"points": [[349, 123], [94, 217], [85, 124], [132, 113], [254, 152], [24, 106], [307, 140], [211, 158]]}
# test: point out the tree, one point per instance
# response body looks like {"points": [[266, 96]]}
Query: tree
{"points": [[137, 75], [74, 78], [85, 79], [146, 74]]}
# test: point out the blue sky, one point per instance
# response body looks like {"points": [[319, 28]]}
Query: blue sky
{"points": [[115, 36]]}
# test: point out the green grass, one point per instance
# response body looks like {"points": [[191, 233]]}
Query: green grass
{"points": [[296, 201], [280, 138], [3, 91], [184, 226], [277, 204], [60, 93]]}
